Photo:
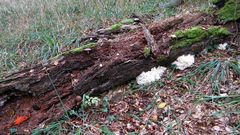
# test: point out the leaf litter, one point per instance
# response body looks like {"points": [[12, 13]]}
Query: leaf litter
{"points": [[172, 105]]}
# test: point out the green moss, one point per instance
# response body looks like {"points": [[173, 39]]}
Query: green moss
{"points": [[215, 1], [79, 49], [74, 51], [127, 21], [196, 34], [162, 58], [116, 27], [55, 57], [189, 37], [146, 52], [230, 11], [218, 31]]}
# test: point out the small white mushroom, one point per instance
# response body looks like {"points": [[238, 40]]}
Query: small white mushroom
{"points": [[173, 36], [87, 49], [222, 46]]}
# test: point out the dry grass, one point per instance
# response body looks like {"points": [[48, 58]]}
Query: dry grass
{"points": [[28, 27]]}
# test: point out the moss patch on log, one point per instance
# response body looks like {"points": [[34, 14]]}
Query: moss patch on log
{"points": [[218, 32], [215, 1], [80, 49], [75, 51], [230, 11], [116, 27], [146, 52], [127, 21], [189, 37], [162, 58], [196, 34]]}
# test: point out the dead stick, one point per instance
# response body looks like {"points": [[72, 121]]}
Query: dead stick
{"points": [[150, 40]]}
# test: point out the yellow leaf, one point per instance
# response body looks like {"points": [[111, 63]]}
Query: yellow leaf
{"points": [[162, 105]]}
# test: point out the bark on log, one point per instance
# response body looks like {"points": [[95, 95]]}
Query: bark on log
{"points": [[37, 91]]}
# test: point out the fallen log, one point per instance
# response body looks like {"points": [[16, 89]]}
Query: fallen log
{"points": [[47, 90]]}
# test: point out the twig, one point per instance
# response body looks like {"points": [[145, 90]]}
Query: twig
{"points": [[55, 89], [237, 31], [236, 24], [150, 40]]}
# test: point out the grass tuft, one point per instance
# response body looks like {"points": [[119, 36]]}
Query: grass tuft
{"points": [[216, 71], [38, 30]]}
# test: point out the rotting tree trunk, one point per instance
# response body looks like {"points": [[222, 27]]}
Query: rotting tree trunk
{"points": [[36, 92]]}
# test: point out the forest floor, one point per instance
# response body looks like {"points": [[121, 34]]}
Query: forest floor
{"points": [[177, 104]]}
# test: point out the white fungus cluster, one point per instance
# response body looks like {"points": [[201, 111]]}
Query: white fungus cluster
{"points": [[184, 61], [150, 76], [155, 74], [222, 46]]}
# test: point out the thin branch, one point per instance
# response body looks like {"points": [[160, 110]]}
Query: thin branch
{"points": [[150, 40]]}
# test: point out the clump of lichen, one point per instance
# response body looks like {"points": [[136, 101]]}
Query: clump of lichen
{"points": [[146, 52], [196, 34], [230, 11]]}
